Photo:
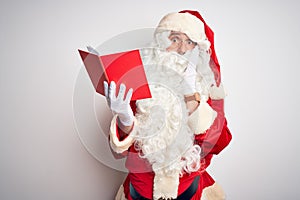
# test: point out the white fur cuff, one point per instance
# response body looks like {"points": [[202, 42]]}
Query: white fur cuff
{"points": [[117, 145], [202, 118], [217, 92]]}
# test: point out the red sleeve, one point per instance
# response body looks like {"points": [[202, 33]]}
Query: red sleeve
{"points": [[218, 136]]}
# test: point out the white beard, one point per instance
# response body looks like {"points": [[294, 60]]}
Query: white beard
{"points": [[163, 136], [200, 57]]}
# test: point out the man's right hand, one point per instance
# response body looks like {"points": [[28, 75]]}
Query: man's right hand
{"points": [[118, 104]]}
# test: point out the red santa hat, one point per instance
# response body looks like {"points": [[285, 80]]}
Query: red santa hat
{"points": [[214, 63], [193, 25]]}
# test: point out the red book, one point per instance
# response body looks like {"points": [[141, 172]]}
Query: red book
{"points": [[124, 67]]}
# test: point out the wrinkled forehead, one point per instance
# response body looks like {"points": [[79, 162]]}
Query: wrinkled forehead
{"points": [[179, 34]]}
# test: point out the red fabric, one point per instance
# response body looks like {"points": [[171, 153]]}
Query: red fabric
{"points": [[218, 136], [143, 183], [205, 181], [214, 63], [142, 176], [122, 135]]}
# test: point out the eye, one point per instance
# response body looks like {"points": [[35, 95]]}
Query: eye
{"points": [[190, 42], [175, 40]]}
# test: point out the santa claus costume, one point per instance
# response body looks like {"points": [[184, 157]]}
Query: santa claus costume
{"points": [[168, 150]]}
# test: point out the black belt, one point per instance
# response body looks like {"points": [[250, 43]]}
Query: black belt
{"points": [[186, 195]]}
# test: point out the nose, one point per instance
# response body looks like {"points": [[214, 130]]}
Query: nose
{"points": [[181, 49]]}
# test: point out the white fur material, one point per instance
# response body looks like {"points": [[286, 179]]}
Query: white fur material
{"points": [[162, 38], [198, 57], [117, 145], [207, 77], [213, 192], [185, 23], [165, 186], [202, 118], [120, 194], [217, 92]]}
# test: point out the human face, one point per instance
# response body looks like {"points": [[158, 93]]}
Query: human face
{"points": [[180, 43]]}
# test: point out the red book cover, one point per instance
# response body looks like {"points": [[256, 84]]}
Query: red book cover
{"points": [[124, 67]]}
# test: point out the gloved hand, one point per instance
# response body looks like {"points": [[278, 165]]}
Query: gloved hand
{"points": [[118, 104], [189, 80]]}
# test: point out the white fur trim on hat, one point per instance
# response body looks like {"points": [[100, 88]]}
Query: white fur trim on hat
{"points": [[117, 145], [185, 23], [202, 118]]}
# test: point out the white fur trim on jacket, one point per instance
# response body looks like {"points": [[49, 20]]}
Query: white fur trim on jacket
{"points": [[165, 186], [202, 118], [117, 145], [213, 192], [217, 92], [120, 194]]}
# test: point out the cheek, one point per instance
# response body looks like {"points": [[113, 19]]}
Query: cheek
{"points": [[171, 48], [189, 48]]}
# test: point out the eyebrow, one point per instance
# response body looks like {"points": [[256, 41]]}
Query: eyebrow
{"points": [[174, 34], [178, 34]]}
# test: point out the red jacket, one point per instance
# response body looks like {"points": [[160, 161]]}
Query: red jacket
{"points": [[213, 141]]}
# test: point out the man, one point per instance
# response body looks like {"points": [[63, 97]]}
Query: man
{"points": [[169, 139]]}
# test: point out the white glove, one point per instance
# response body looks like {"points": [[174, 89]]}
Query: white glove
{"points": [[189, 80], [193, 55], [118, 104]]}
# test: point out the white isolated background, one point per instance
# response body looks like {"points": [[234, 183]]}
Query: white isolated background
{"points": [[41, 154]]}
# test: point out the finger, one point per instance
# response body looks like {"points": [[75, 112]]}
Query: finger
{"points": [[105, 89], [121, 91], [112, 90], [129, 95]]}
